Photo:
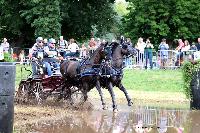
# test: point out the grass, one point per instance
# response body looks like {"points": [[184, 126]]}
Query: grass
{"points": [[138, 80], [147, 85], [153, 80], [21, 74]]}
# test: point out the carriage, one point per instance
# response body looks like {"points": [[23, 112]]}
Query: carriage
{"points": [[35, 89]]}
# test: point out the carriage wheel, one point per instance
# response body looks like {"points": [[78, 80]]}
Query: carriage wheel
{"points": [[22, 94], [76, 98], [38, 95]]}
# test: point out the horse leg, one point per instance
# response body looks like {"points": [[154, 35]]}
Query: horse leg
{"points": [[101, 95], [122, 88], [84, 91], [110, 89], [61, 94]]}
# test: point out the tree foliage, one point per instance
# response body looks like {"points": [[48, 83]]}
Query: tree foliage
{"points": [[44, 17], [164, 18], [24, 20]]}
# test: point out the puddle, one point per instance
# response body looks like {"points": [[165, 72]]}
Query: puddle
{"points": [[137, 119]]}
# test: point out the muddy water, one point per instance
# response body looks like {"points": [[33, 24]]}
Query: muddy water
{"points": [[137, 119]]}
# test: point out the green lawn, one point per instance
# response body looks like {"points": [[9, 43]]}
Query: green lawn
{"points": [[21, 74], [153, 80], [140, 80]]}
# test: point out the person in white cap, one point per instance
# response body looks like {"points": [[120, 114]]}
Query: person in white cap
{"points": [[5, 45]]}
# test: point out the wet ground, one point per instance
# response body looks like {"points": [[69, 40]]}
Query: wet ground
{"points": [[140, 118]]}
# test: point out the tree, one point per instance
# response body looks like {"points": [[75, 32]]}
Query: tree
{"points": [[81, 16], [10, 20], [44, 17], [25, 20], [164, 18]]}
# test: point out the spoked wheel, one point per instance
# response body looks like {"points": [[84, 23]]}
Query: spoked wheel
{"points": [[38, 95], [22, 94]]}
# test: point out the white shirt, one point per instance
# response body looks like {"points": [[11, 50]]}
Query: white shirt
{"points": [[63, 44], [73, 47], [5, 46], [186, 48], [141, 46]]}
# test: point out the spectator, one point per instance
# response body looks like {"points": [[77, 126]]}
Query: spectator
{"points": [[163, 47], [187, 46], [73, 47], [185, 50], [21, 57], [148, 53], [98, 42], [5, 45], [198, 44], [83, 52], [193, 47], [180, 45], [92, 46], [140, 47], [179, 55], [128, 60], [92, 43], [62, 43], [122, 40]]}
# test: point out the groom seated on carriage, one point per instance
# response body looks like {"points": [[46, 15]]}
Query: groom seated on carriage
{"points": [[53, 55]]}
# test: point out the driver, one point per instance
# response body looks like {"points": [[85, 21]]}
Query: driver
{"points": [[39, 51]]}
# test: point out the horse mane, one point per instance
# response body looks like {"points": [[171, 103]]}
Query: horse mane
{"points": [[96, 51], [94, 55]]}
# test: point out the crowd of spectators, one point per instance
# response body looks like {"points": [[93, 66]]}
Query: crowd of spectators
{"points": [[144, 47]]}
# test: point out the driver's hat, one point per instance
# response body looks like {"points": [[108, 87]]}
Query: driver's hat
{"points": [[39, 39], [52, 40]]}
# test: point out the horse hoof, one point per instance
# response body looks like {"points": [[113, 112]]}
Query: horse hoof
{"points": [[130, 103], [115, 110], [105, 107]]}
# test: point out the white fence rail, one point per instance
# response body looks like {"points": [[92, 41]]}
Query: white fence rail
{"points": [[167, 59]]}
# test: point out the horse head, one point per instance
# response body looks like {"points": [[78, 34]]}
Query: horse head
{"points": [[129, 50], [124, 49]]}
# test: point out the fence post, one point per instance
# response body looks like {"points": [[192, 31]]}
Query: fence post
{"points": [[7, 89]]}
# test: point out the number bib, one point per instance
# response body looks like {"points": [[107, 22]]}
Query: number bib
{"points": [[40, 55]]}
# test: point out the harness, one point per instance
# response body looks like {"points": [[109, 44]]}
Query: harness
{"points": [[107, 70], [92, 71]]}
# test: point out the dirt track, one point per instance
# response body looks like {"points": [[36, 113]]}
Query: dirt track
{"points": [[27, 117]]}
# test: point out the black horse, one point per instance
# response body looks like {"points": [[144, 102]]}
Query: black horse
{"points": [[112, 73], [84, 74]]}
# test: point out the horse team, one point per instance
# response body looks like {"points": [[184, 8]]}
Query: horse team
{"points": [[103, 69]]}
